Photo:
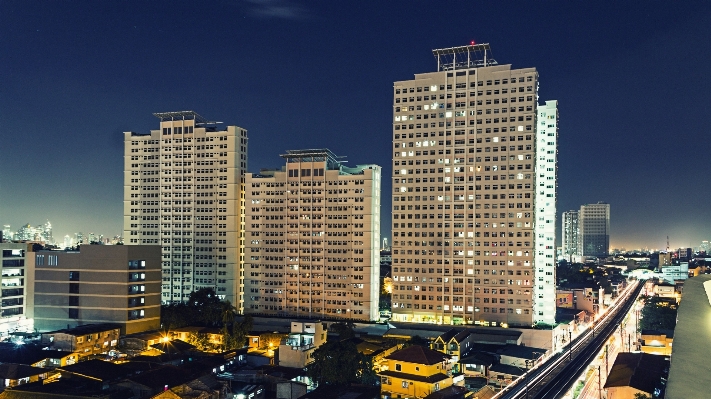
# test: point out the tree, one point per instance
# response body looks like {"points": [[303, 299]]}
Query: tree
{"points": [[339, 363], [200, 341], [657, 315], [206, 305], [240, 331], [344, 330], [175, 316]]}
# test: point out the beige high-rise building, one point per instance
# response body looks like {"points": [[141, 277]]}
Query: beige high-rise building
{"points": [[183, 191], [312, 236], [474, 194]]}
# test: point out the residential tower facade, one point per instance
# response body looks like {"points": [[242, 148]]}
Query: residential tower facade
{"points": [[312, 238], [183, 191], [474, 194]]}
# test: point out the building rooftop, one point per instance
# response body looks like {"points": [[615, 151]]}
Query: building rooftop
{"points": [[86, 329], [97, 370], [507, 369], [691, 351], [173, 347], [451, 392], [667, 333], [641, 371], [419, 355], [14, 371], [415, 377], [27, 354]]}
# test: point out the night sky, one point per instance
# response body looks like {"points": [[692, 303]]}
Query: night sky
{"points": [[632, 80]]}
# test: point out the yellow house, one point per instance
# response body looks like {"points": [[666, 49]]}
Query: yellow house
{"points": [[657, 342], [414, 372]]}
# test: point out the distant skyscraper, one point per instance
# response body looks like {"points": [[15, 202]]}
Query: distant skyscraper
{"points": [[183, 190], [703, 248], [474, 194], [7, 234], [46, 233], [313, 230], [594, 229], [67, 241], [569, 231]]}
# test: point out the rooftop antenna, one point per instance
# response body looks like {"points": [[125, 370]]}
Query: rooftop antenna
{"points": [[667, 243]]}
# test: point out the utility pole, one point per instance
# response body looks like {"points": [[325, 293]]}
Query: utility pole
{"points": [[525, 380], [599, 384], [607, 370], [629, 342], [570, 345]]}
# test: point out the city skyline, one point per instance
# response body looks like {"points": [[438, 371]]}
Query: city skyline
{"points": [[61, 99]]}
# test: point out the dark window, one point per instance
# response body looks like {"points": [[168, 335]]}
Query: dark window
{"points": [[73, 301], [73, 276], [73, 288], [73, 313]]}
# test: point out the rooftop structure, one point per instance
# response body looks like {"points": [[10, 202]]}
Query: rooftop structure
{"points": [[464, 57]]}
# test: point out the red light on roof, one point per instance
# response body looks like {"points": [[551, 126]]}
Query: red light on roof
{"points": [[473, 42]]}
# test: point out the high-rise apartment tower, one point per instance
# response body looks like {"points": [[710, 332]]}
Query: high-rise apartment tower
{"points": [[474, 194], [569, 231], [594, 229], [312, 236], [183, 191]]}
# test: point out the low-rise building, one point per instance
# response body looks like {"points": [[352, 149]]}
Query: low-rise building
{"points": [[587, 299], [456, 343], [636, 373], [13, 374], [214, 335], [17, 287], [679, 271], [298, 348], [91, 339], [657, 342], [414, 372], [35, 355]]}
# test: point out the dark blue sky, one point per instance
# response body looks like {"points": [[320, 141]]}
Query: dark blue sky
{"points": [[632, 80]]}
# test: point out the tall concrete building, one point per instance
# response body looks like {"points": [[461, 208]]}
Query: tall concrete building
{"points": [[98, 284], [474, 194], [594, 229], [569, 231], [312, 237], [183, 191]]}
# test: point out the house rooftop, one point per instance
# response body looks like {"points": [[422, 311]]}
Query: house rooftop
{"points": [[14, 371], [419, 355], [27, 354], [87, 329], [97, 370], [641, 371]]}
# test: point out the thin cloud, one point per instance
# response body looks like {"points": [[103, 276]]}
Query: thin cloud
{"points": [[281, 9]]}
